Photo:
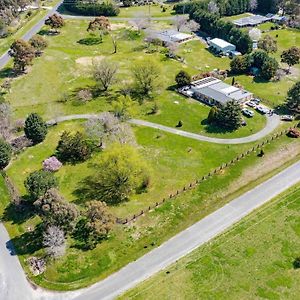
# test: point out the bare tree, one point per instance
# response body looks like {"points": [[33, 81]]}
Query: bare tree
{"points": [[172, 48], [108, 129], [252, 5], [54, 241], [104, 72], [5, 121], [140, 21], [213, 7], [255, 34], [191, 26], [180, 21]]}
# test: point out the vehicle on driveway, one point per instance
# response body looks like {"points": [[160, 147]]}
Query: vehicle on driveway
{"points": [[262, 110], [256, 101], [248, 113], [251, 104], [287, 118]]}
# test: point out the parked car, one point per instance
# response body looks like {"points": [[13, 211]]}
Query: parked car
{"points": [[248, 113], [251, 104], [287, 118], [262, 110], [256, 101]]}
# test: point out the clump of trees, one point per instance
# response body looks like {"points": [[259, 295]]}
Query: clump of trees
{"points": [[39, 182], [268, 44], [293, 98], [35, 128], [92, 8], [228, 116], [120, 172], [183, 78], [259, 59], [5, 153], [73, 148]]}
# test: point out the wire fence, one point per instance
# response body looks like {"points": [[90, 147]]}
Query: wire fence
{"points": [[197, 182]]}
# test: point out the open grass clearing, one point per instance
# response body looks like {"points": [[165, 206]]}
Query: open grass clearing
{"points": [[254, 259], [146, 10], [168, 154]]}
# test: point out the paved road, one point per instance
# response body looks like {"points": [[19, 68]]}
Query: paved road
{"points": [[14, 285], [193, 237], [272, 123], [4, 59]]}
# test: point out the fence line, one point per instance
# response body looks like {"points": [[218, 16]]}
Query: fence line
{"points": [[196, 182]]}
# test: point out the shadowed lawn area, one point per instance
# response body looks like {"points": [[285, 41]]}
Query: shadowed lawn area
{"points": [[252, 260]]}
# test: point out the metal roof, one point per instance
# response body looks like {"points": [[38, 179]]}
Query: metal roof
{"points": [[251, 20], [220, 43]]}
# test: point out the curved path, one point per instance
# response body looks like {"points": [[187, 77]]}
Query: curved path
{"points": [[14, 286], [272, 122]]}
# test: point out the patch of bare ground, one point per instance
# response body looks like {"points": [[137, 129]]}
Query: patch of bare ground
{"points": [[87, 61]]}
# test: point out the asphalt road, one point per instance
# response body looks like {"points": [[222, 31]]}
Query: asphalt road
{"points": [[272, 122], [14, 286], [4, 59]]}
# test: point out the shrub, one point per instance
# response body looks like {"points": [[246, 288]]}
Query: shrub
{"points": [[5, 153], [39, 182], [73, 148], [35, 128], [51, 164], [84, 95], [183, 79], [38, 42]]}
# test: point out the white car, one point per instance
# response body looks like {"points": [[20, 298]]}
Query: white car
{"points": [[248, 113], [251, 104], [287, 118], [262, 110]]}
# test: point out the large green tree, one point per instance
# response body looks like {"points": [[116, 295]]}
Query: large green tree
{"points": [[55, 22], [5, 153], [183, 78], [269, 68], [293, 97], [291, 56], [39, 182], [229, 116], [120, 171], [35, 128]]}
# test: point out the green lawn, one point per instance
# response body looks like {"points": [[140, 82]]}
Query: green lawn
{"points": [[236, 17], [4, 197], [174, 161], [253, 260], [153, 10]]}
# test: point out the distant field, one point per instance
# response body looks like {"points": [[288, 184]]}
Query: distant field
{"points": [[152, 10], [254, 260], [236, 17]]}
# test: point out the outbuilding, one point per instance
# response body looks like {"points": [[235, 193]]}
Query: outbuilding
{"points": [[220, 45]]}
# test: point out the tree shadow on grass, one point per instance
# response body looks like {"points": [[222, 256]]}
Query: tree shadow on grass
{"points": [[90, 41], [214, 128], [7, 73], [26, 243], [18, 214]]}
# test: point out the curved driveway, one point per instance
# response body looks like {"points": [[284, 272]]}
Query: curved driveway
{"points": [[272, 122]]}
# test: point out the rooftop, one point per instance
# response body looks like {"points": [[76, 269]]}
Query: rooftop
{"points": [[220, 43], [251, 21]]}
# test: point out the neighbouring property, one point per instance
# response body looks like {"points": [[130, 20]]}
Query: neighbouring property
{"points": [[169, 36], [213, 91], [222, 46], [255, 20]]}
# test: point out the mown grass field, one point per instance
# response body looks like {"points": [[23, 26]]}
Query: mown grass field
{"points": [[152, 10], [253, 260]]}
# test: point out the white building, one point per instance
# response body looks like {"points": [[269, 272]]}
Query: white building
{"points": [[170, 36], [221, 46]]}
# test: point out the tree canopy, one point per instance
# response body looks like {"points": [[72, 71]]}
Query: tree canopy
{"points": [[35, 128]]}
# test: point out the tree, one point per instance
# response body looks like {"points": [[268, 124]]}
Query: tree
{"points": [[191, 26], [55, 21], [54, 210], [73, 148], [291, 56], [269, 68], [101, 24], [107, 129], [35, 128], [98, 223], [268, 44], [123, 108], [293, 97], [39, 182], [213, 7], [51, 164], [212, 116], [253, 5], [54, 241], [241, 64], [120, 171], [5, 121], [255, 34], [22, 53], [104, 73], [5, 153], [183, 78], [38, 42], [229, 116], [146, 75], [259, 58], [140, 21], [180, 21]]}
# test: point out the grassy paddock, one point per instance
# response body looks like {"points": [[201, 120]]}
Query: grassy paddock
{"points": [[254, 259]]}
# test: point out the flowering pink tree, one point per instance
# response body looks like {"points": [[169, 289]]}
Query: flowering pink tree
{"points": [[52, 164]]}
